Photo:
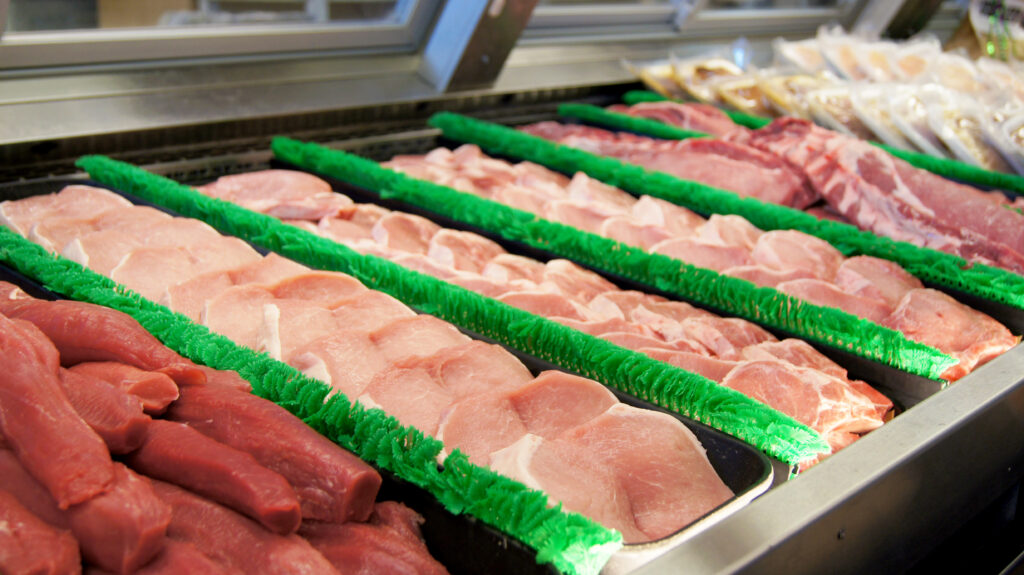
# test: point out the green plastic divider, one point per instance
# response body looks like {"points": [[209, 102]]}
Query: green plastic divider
{"points": [[765, 305], [686, 393], [571, 542], [930, 265], [944, 167]]}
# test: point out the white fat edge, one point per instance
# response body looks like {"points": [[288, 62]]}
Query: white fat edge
{"points": [[313, 366], [647, 211], [33, 236], [270, 331], [368, 403], [605, 308], [379, 233], [514, 461], [666, 327], [17, 293], [7, 221], [74, 251], [441, 254]]}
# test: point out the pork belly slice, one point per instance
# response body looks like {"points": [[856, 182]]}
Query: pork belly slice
{"points": [[389, 543], [122, 529], [114, 415], [508, 267], [235, 541], [788, 250], [689, 116], [346, 360], [702, 254], [679, 221], [331, 483], [30, 545], [149, 270], [875, 278], [178, 454], [154, 389], [823, 293], [729, 230], [933, 318], [74, 202], [39, 423], [824, 403], [462, 250], [404, 232]]}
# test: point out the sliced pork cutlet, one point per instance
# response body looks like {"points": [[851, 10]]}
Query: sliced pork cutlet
{"points": [[74, 202], [875, 278], [462, 250]]}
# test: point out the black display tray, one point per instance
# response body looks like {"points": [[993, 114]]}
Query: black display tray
{"points": [[461, 542]]}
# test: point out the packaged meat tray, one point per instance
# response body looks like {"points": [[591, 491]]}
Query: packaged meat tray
{"points": [[744, 470]]}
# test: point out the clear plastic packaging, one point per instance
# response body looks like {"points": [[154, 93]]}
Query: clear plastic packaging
{"points": [[658, 76], [787, 92], [696, 76], [913, 59], [832, 108], [963, 127], [869, 104], [744, 94], [841, 53], [909, 113], [804, 55]]}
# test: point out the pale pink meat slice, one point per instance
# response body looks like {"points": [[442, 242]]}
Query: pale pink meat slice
{"points": [[427, 265], [540, 173], [365, 215], [823, 293], [462, 250], [724, 337], [788, 250], [676, 310], [598, 327], [619, 303], [289, 324], [556, 401], [480, 425], [679, 221], [796, 352], [149, 271], [53, 235], [660, 464], [729, 230], [420, 335], [766, 277], [342, 230], [508, 267], [270, 269], [573, 213], [697, 117], [411, 395], [486, 287], [587, 190], [825, 403], [628, 230], [574, 281], [101, 251], [545, 304], [304, 225], [237, 313], [710, 367], [329, 289], [404, 232], [283, 194], [76, 202], [702, 254], [555, 467], [472, 368], [875, 278], [369, 310], [521, 198], [177, 232], [637, 342], [933, 318], [130, 219], [346, 360]]}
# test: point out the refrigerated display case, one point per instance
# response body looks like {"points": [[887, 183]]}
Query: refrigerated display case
{"points": [[197, 89]]}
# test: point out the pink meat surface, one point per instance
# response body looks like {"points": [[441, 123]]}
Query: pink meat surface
{"points": [[405, 232], [875, 278], [154, 389], [628, 230], [819, 292], [480, 425], [346, 360], [712, 368], [703, 254], [178, 454], [729, 230], [39, 423], [724, 337], [53, 235], [30, 545], [280, 193], [113, 414], [587, 217], [471, 368], [416, 336], [574, 281], [679, 221], [689, 116], [390, 542], [766, 277], [933, 318], [789, 250], [462, 250], [233, 540], [545, 304], [101, 251], [585, 189], [796, 352], [331, 483], [330, 289], [556, 401], [73, 202], [149, 271], [237, 313], [508, 267], [411, 395]]}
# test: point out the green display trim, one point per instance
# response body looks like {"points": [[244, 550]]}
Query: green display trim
{"points": [[932, 266], [768, 306], [686, 393], [945, 167], [571, 542]]}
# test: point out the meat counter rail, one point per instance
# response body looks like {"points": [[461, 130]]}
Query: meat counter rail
{"points": [[742, 469]]}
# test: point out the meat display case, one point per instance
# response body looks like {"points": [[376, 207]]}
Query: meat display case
{"points": [[905, 495]]}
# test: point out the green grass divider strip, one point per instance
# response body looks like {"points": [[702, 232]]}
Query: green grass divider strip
{"points": [[945, 167], [765, 305], [571, 542], [933, 266], [686, 393], [598, 115]]}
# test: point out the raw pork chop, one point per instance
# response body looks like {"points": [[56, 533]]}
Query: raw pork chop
{"points": [[788, 250], [75, 202], [405, 232], [280, 193], [875, 278], [826, 294], [556, 401], [346, 360], [462, 250], [689, 116]]}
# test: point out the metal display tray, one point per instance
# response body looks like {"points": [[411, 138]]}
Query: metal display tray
{"points": [[466, 545]]}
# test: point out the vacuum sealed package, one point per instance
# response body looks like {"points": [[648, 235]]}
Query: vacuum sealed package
{"points": [[1013, 130], [840, 51], [787, 92], [696, 76], [960, 124], [958, 74], [913, 58], [869, 104], [744, 94], [804, 55], [877, 61], [658, 76], [909, 113], [832, 108], [1006, 82]]}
